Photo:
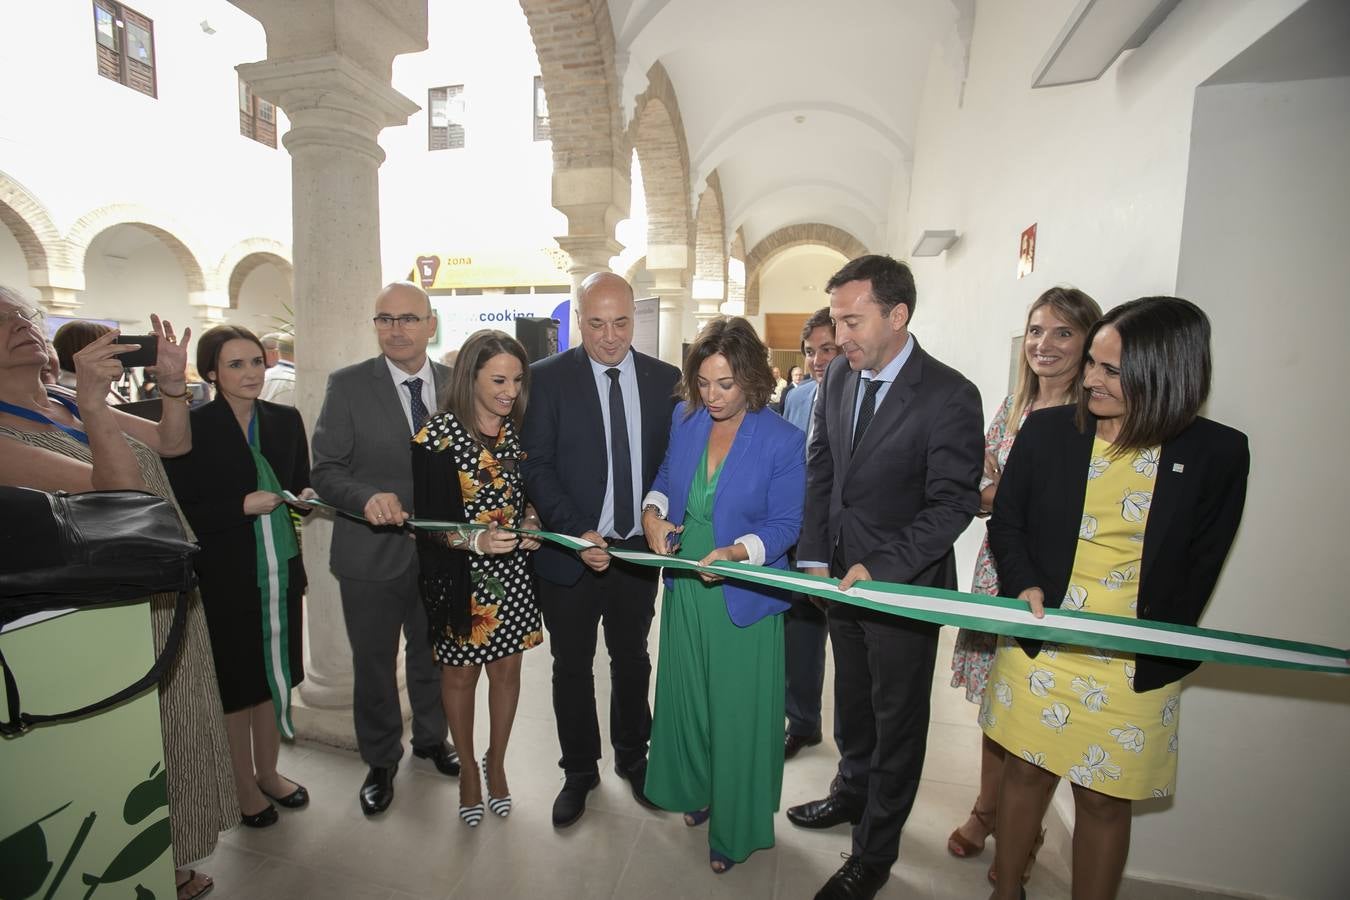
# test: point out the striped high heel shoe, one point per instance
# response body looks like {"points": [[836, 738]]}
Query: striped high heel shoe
{"points": [[472, 814], [500, 806]]}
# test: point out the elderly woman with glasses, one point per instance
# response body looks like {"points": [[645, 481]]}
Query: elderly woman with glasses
{"points": [[53, 439]]}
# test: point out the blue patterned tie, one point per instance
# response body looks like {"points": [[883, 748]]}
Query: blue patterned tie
{"points": [[419, 409]]}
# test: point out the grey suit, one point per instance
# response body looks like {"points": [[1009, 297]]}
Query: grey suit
{"points": [[361, 448], [895, 505]]}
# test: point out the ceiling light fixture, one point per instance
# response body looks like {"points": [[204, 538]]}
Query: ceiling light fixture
{"points": [[934, 243], [1095, 35]]}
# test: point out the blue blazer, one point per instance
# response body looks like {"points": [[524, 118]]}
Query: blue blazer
{"points": [[759, 492]]}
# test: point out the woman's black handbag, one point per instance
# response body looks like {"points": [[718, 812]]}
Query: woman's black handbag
{"points": [[69, 551]]}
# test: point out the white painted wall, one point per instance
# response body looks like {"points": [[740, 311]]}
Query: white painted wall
{"points": [[1103, 168], [134, 282], [1263, 249]]}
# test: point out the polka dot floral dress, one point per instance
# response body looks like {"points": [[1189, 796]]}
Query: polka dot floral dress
{"points": [[1073, 710], [505, 619]]}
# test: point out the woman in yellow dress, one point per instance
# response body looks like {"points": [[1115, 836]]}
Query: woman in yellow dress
{"points": [[1125, 506]]}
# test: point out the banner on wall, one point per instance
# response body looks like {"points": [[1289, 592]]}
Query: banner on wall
{"points": [[460, 316], [647, 326]]}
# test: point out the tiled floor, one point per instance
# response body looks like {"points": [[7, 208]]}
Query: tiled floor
{"points": [[419, 849]]}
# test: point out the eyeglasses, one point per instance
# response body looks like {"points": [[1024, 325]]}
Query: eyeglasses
{"points": [[27, 313], [384, 322]]}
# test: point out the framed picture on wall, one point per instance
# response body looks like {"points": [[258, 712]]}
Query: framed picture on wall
{"points": [[1026, 253]]}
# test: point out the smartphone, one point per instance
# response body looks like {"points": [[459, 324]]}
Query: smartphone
{"points": [[145, 356]]}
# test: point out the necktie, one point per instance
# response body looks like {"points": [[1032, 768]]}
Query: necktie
{"points": [[622, 456], [869, 409], [419, 409]]}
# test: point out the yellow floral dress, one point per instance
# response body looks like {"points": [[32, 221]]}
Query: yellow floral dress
{"points": [[504, 616], [1073, 710]]}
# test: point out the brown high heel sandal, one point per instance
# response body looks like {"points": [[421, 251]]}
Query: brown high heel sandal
{"points": [[1031, 860], [960, 847]]}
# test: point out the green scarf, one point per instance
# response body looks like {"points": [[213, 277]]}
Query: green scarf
{"points": [[275, 537]]}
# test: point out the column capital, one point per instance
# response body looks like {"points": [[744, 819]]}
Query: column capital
{"points": [[589, 253], [59, 288], [331, 101], [594, 200]]}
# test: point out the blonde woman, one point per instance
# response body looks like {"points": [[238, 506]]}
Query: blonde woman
{"points": [[1048, 375]]}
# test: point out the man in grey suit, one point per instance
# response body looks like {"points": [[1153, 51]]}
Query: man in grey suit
{"points": [[893, 477], [363, 461]]}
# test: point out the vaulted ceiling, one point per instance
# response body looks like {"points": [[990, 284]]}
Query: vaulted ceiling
{"points": [[806, 110]]}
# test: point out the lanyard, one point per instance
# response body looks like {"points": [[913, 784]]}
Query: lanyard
{"points": [[32, 416]]}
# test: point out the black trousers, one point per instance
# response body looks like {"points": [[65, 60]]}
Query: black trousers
{"points": [[883, 674], [622, 600], [804, 633]]}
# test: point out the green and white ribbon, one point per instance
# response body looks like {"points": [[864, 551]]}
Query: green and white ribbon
{"points": [[995, 615], [277, 546]]}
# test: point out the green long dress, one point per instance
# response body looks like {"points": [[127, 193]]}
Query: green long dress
{"points": [[717, 729]]}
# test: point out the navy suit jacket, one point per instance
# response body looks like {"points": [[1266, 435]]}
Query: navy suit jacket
{"points": [[759, 492], [1198, 496], [900, 501], [563, 437]]}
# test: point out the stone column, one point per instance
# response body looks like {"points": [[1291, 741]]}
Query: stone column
{"points": [[210, 308], [708, 294], [589, 254], [668, 265], [338, 101], [594, 201], [59, 288]]}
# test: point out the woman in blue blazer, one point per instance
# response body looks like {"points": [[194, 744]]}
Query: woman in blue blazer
{"points": [[730, 488]]}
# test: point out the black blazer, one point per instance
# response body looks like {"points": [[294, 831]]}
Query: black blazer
{"points": [[1198, 496], [899, 503], [564, 442], [210, 483]]}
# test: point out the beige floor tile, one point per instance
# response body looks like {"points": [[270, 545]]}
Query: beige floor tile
{"points": [[233, 869], [278, 878], [802, 872], [527, 857], [670, 861]]}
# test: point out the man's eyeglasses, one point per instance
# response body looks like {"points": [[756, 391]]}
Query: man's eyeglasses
{"points": [[27, 313], [384, 322]]}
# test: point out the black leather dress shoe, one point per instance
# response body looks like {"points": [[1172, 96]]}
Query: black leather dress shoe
{"points": [[378, 790], [260, 819], [636, 776], [571, 802], [833, 810], [444, 756], [855, 880], [294, 800], [793, 743]]}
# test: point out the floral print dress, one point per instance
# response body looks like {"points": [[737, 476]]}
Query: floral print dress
{"points": [[1073, 710], [974, 651], [505, 618]]}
